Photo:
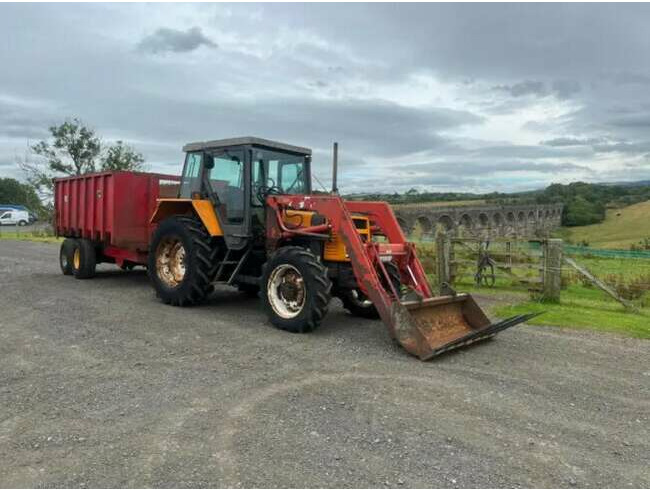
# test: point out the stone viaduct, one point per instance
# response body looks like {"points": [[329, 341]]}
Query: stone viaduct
{"points": [[480, 221]]}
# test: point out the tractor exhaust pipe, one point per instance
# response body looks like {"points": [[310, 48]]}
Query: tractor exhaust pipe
{"points": [[335, 168]]}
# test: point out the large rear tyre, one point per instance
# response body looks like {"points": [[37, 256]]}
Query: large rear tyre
{"points": [[359, 305], [295, 290], [84, 259], [182, 261]]}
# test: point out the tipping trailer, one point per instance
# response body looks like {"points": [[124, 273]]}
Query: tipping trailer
{"points": [[106, 217], [243, 214]]}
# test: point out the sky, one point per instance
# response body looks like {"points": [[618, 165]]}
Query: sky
{"points": [[440, 97]]}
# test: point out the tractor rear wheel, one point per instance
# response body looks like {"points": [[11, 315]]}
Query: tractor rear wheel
{"points": [[359, 305], [182, 261], [84, 259], [66, 253], [295, 289]]}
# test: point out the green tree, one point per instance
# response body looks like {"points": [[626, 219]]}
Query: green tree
{"points": [[72, 150], [14, 192], [121, 156], [75, 149]]}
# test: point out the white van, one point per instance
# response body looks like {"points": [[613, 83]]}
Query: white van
{"points": [[14, 217]]}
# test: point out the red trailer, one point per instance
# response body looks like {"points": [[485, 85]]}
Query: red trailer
{"points": [[106, 217]]}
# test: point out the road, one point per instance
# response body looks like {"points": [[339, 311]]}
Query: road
{"points": [[103, 386]]}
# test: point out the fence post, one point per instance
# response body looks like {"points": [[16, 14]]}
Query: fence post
{"points": [[443, 258], [552, 269]]}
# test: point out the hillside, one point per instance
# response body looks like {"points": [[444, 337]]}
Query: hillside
{"points": [[622, 227]]}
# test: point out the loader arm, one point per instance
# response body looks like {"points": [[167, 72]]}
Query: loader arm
{"points": [[425, 327]]}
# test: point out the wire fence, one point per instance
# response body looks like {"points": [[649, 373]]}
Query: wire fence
{"points": [[608, 253], [519, 265]]}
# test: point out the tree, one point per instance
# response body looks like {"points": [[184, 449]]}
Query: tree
{"points": [[14, 192], [73, 150], [122, 157]]}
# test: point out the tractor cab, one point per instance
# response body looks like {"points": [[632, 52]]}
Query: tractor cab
{"points": [[237, 174]]}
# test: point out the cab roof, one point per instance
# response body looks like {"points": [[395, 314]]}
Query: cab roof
{"points": [[246, 140]]}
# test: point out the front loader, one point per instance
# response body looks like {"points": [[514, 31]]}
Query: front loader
{"points": [[246, 216]]}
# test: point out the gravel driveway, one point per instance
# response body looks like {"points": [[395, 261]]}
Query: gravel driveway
{"points": [[103, 386]]}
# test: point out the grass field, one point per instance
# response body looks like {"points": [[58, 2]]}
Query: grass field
{"points": [[32, 236], [621, 228], [582, 306]]}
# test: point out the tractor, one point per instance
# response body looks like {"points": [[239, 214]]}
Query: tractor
{"points": [[246, 216]]}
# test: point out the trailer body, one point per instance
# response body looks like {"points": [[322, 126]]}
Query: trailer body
{"points": [[112, 209]]}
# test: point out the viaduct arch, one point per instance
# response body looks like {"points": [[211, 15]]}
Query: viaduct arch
{"points": [[481, 221]]}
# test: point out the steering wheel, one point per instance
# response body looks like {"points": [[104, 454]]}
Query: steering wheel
{"points": [[264, 190]]}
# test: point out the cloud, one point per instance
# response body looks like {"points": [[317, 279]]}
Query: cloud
{"points": [[493, 97], [568, 141], [565, 89], [166, 40], [478, 168], [638, 120], [631, 78], [624, 147], [521, 89]]}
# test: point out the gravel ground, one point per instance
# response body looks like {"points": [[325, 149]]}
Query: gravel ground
{"points": [[103, 386]]}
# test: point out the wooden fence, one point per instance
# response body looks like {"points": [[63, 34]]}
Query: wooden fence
{"points": [[535, 264]]}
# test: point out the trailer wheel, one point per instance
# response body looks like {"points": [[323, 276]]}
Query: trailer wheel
{"points": [[295, 290], [359, 305], [182, 261], [65, 255], [84, 259]]}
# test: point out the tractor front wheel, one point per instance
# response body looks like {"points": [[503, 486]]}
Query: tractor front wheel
{"points": [[359, 305], [295, 290], [182, 261]]}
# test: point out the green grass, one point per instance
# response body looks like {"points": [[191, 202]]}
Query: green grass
{"points": [[628, 268], [35, 236], [622, 227], [583, 308]]}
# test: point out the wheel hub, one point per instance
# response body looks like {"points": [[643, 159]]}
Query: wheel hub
{"points": [[170, 261], [286, 291]]}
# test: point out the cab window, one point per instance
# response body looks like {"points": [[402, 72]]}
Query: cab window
{"points": [[191, 181], [277, 173], [227, 181]]}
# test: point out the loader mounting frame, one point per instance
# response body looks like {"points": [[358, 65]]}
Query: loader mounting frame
{"points": [[424, 325]]}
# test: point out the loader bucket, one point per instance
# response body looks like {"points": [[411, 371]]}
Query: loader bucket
{"points": [[435, 325]]}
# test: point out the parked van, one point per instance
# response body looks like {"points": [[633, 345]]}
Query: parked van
{"points": [[14, 217]]}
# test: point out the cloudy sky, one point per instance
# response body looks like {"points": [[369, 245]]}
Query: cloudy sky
{"points": [[441, 97]]}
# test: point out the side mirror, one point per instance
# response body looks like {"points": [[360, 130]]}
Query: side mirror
{"points": [[208, 161]]}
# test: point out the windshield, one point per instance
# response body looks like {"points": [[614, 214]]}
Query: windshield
{"points": [[278, 173]]}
